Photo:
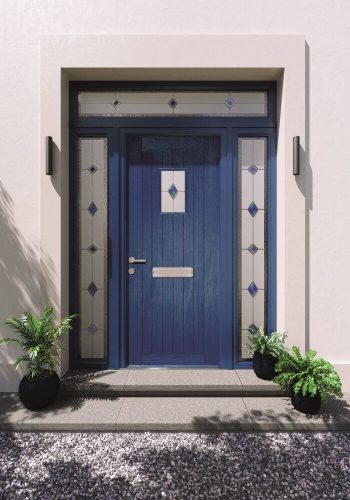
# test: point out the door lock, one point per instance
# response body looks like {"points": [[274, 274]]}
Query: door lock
{"points": [[132, 260], [131, 270]]}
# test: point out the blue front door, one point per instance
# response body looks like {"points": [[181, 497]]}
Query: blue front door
{"points": [[173, 216]]}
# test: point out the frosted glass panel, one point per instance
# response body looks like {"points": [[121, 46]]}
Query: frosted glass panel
{"points": [[120, 103], [167, 202], [92, 191], [173, 191], [252, 164], [179, 179], [179, 203], [245, 354], [167, 178]]}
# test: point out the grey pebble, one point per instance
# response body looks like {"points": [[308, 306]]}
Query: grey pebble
{"points": [[236, 466]]}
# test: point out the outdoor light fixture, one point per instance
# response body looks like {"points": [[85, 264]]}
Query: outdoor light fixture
{"points": [[296, 155], [48, 166]]}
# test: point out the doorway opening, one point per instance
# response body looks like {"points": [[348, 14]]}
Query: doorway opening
{"points": [[173, 222]]}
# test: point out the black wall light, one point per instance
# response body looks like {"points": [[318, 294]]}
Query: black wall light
{"points": [[48, 165], [296, 155]]}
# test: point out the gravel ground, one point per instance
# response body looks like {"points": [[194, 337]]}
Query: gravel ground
{"points": [[177, 466]]}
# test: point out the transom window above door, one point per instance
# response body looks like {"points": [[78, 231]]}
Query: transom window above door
{"points": [[179, 103]]}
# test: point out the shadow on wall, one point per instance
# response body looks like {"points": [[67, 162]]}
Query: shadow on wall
{"points": [[305, 184], [26, 281]]}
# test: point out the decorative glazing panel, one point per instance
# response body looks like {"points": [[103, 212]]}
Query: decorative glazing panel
{"points": [[252, 164], [173, 191], [92, 194], [180, 103]]}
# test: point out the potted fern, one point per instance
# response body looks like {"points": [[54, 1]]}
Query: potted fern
{"points": [[266, 350], [309, 379], [39, 339]]}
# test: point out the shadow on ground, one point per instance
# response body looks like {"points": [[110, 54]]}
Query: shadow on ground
{"points": [[332, 413], [221, 422], [64, 405], [86, 383]]}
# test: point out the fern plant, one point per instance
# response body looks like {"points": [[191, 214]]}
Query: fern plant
{"points": [[260, 343], [307, 375], [39, 339]]}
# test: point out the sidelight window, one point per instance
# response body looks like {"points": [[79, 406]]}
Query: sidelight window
{"points": [[252, 167], [92, 182]]}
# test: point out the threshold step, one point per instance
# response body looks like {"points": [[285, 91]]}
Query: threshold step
{"points": [[166, 382]]}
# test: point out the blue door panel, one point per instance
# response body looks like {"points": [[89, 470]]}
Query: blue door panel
{"points": [[188, 257], [211, 237], [198, 256], [174, 321]]}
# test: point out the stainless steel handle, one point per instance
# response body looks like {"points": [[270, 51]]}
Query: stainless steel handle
{"points": [[132, 260]]}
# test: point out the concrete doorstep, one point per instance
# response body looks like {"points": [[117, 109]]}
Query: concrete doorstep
{"points": [[171, 414], [166, 382]]}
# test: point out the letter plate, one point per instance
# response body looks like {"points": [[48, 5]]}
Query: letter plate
{"points": [[172, 272]]}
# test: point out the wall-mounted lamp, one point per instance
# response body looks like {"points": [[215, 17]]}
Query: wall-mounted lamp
{"points": [[296, 155], [48, 165]]}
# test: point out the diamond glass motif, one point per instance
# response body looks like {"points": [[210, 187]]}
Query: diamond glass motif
{"points": [[115, 103], [252, 249], [252, 289], [92, 169], [253, 328], [172, 191], [92, 249], [92, 289], [229, 103], [173, 103], [253, 209], [92, 208], [253, 169], [92, 328]]}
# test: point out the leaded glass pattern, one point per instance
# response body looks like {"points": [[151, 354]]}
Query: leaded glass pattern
{"points": [[252, 168], [92, 192], [179, 103], [173, 191]]}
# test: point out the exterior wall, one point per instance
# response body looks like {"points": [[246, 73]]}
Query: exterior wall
{"points": [[313, 216]]}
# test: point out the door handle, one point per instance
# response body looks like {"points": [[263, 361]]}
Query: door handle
{"points": [[132, 260]]}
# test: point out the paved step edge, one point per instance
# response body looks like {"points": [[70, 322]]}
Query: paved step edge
{"points": [[175, 427], [88, 391]]}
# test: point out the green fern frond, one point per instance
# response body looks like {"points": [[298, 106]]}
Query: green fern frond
{"points": [[273, 344], [19, 361], [307, 375], [39, 339]]}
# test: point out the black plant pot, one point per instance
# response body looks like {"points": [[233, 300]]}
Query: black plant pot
{"points": [[306, 404], [264, 366], [39, 392]]}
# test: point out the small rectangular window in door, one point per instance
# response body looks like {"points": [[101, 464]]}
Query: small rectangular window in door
{"points": [[173, 191]]}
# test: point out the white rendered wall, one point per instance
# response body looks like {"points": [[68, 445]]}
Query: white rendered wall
{"points": [[26, 281]]}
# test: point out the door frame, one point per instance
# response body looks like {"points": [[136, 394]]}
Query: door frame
{"points": [[114, 129]]}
